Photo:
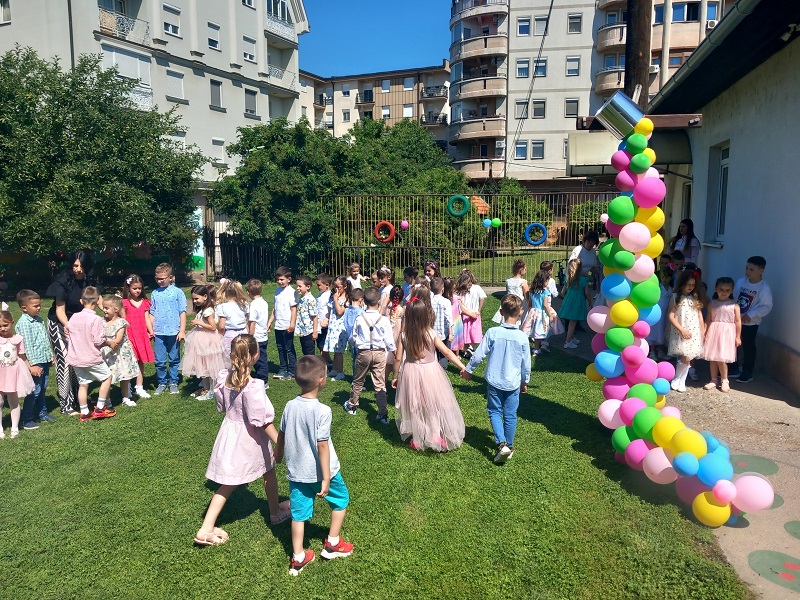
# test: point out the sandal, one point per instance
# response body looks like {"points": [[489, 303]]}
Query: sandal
{"points": [[221, 533], [710, 386], [209, 539], [282, 516], [725, 386]]}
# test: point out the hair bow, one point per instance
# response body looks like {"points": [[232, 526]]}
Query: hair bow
{"points": [[3, 306], [413, 298], [223, 281], [129, 280]]}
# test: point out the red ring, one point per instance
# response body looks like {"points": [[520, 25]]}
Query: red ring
{"points": [[381, 225]]}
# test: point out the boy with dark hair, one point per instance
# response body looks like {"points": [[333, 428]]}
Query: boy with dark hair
{"points": [[409, 277], [755, 301], [284, 315], [324, 282], [39, 354], [257, 319]]}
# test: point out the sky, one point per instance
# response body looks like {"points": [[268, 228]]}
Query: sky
{"points": [[363, 36]]}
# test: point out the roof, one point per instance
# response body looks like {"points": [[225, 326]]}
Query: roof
{"points": [[749, 34], [445, 66]]}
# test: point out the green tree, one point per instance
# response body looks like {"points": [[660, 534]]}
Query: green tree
{"points": [[82, 167]]}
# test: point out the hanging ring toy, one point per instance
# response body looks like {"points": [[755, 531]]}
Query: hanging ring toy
{"points": [[451, 205], [384, 232], [528, 231]]}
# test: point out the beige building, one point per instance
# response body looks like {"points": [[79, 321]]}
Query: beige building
{"points": [[420, 94]]}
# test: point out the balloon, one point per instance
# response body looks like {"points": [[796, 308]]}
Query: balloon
{"points": [[685, 463], [598, 319], [643, 345], [665, 428], [650, 154], [615, 287], [607, 250], [653, 218], [592, 374], [640, 329], [710, 511], [599, 343], [666, 370], [619, 457], [640, 163], [628, 409], [635, 237], [642, 269], [404, 224], [621, 210], [688, 488], [661, 387], [487, 222], [655, 247], [753, 493], [689, 440], [611, 271], [648, 192], [622, 437], [613, 229], [671, 411], [644, 126], [651, 315], [647, 372], [496, 222], [603, 218], [711, 441], [609, 364], [619, 338], [620, 160], [645, 392], [616, 387], [624, 313], [658, 468], [608, 413], [623, 260], [635, 453], [724, 491], [661, 402], [645, 420], [723, 451], [714, 467], [646, 293], [633, 356], [626, 180], [635, 144]]}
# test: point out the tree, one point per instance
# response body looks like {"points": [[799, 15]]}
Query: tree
{"points": [[82, 167]]}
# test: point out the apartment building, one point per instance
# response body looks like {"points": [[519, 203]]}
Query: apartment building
{"points": [[420, 94]]}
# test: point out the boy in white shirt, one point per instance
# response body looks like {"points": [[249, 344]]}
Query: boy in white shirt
{"points": [[324, 282], [284, 315], [258, 318], [755, 301]]}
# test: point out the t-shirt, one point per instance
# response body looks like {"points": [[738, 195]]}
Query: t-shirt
{"points": [[68, 290], [472, 299], [588, 258], [259, 314], [285, 299], [323, 308], [306, 311], [235, 317], [304, 422], [537, 298], [691, 252], [356, 282], [551, 287], [754, 300]]}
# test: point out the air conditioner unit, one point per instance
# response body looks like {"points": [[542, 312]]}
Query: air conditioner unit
{"points": [[711, 23], [500, 144], [653, 69]]}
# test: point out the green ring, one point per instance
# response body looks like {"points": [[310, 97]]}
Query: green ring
{"points": [[453, 200]]}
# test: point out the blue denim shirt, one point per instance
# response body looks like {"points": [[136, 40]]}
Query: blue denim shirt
{"points": [[509, 357], [167, 304]]}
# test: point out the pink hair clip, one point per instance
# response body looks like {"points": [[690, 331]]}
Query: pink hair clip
{"points": [[223, 281], [3, 306]]}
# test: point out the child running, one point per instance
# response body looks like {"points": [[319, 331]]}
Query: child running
{"points": [[242, 451], [118, 351], [336, 340], [688, 329], [540, 314], [724, 334], [515, 285], [15, 371], [425, 407], [39, 355], [136, 311], [231, 313], [575, 306], [470, 297], [203, 355]]}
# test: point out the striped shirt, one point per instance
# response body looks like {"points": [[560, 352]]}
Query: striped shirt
{"points": [[37, 346]]}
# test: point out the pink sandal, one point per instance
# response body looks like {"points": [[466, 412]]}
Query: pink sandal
{"points": [[710, 386], [725, 386]]}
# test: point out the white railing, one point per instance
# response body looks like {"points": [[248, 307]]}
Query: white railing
{"points": [[280, 28], [125, 27], [142, 98], [467, 4], [283, 78]]}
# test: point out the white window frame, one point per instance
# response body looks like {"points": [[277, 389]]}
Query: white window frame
{"points": [[523, 65], [249, 3], [346, 90], [346, 115], [540, 25], [254, 95], [218, 145], [111, 59], [567, 102], [723, 181], [408, 111], [303, 85], [521, 109], [386, 112], [539, 62], [566, 147], [170, 28], [574, 18], [386, 86], [176, 77], [577, 63], [215, 83], [537, 144], [537, 103], [521, 150], [213, 36], [523, 22], [304, 111], [249, 44], [406, 86], [5, 11]]}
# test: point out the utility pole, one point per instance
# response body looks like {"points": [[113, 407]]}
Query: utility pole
{"points": [[637, 49]]}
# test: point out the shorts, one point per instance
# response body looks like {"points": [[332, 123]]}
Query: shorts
{"points": [[302, 495], [87, 375]]}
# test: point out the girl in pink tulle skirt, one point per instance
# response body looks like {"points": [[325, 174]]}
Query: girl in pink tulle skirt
{"points": [[15, 375], [203, 352], [723, 335]]}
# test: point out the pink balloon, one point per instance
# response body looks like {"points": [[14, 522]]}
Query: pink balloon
{"points": [[752, 493], [598, 319], [657, 466], [650, 173], [620, 160], [640, 329], [642, 343], [635, 453], [629, 408], [613, 229], [635, 237], [666, 370], [648, 192], [643, 268], [608, 413], [620, 458], [616, 387], [647, 372], [671, 411], [599, 343], [626, 180], [603, 218], [724, 491], [632, 356], [688, 488]]}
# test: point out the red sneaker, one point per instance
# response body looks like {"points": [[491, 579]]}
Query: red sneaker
{"points": [[85, 417], [103, 413], [295, 567], [338, 551]]}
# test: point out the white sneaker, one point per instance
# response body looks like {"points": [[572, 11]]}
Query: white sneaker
{"points": [[128, 402], [677, 385], [570, 345], [141, 392], [574, 341], [338, 376], [545, 345], [693, 374]]}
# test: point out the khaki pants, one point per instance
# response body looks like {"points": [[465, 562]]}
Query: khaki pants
{"points": [[374, 362]]}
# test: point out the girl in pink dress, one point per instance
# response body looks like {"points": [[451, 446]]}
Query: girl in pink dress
{"points": [[203, 355], [15, 374], [470, 297], [425, 407], [723, 335], [136, 311], [243, 449]]}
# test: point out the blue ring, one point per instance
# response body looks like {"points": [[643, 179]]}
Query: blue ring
{"points": [[528, 230]]}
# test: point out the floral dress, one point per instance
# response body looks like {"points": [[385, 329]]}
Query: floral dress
{"points": [[122, 361]]}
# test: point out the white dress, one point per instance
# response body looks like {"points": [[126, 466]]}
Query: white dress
{"points": [[514, 287], [689, 318]]}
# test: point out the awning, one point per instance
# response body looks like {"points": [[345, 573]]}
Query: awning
{"points": [[589, 153]]}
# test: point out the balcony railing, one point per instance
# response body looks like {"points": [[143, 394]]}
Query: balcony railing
{"points": [[282, 78], [328, 124], [142, 98], [323, 100], [433, 119], [480, 75], [467, 4], [319, 123], [435, 91], [365, 97], [281, 28], [125, 27], [473, 115]]}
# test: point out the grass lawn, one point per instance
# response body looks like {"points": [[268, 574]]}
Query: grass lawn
{"points": [[109, 508]]}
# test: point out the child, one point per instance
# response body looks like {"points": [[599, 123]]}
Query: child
{"points": [[307, 323], [678, 264], [547, 265], [85, 341], [323, 311], [409, 277], [373, 338], [38, 354], [351, 314], [284, 315], [231, 313], [724, 333], [168, 312], [425, 406], [688, 329], [432, 270], [540, 314], [656, 337], [507, 374], [118, 352], [312, 466], [470, 299], [356, 277], [242, 451], [755, 301], [203, 354], [385, 284], [336, 340], [395, 312], [258, 317], [443, 317], [15, 371], [515, 285], [136, 311], [575, 306]]}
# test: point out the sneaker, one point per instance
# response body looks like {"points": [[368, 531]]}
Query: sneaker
{"points": [[289, 377], [103, 413], [30, 425], [734, 371], [280, 375], [351, 410], [545, 345], [70, 412], [510, 456], [338, 377], [173, 389], [725, 387], [468, 352], [128, 402], [576, 341], [295, 567], [141, 392], [340, 550], [46, 418], [711, 385], [199, 392], [160, 389], [85, 417], [502, 454], [570, 345], [744, 377], [693, 374], [206, 396], [677, 385], [536, 353], [382, 419]]}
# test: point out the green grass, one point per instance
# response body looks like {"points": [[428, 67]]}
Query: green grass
{"points": [[109, 508]]}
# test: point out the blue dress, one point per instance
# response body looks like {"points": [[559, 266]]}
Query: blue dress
{"points": [[539, 320]]}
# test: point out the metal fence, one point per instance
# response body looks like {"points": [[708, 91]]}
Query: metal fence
{"points": [[433, 233]]}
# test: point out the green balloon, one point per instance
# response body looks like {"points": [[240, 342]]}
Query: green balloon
{"points": [[636, 144], [496, 222], [623, 260], [621, 210], [640, 163], [645, 294], [645, 392], [623, 436], [619, 338], [644, 420], [607, 251]]}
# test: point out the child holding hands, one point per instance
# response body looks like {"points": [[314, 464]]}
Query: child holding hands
{"points": [[724, 333], [15, 370], [136, 311], [168, 311], [118, 352], [203, 354], [688, 328], [39, 355]]}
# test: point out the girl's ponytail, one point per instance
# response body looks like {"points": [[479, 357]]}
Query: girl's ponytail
{"points": [[243, 348]]}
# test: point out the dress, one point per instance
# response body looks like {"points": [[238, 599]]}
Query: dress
{"points": [[426, 407], [336, 340], [203, 353], [137, 331], [720, 342], [537, 322], [688, 317], [573, 307], [471, 331], [121, 361], [242, 451], [14, 375]]}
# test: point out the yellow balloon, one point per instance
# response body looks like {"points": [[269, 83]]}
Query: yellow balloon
{"points": [[661, 402], [655, 247], [592, 374], [624, 313], [689, 440], [653, 218], [650, 154], [608, 271], [644, 126], [710, 511], [664, 430]]}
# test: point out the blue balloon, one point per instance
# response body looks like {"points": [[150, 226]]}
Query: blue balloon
{"points": [[661, 386], [615, 287], [629, 194], [713, 467], [609, 364], [711, 441], [723, 452], [487, 222], [622, 145], [650, 315], [685, 464], [732, 520]]}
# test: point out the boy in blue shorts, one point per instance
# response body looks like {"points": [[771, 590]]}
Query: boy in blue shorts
{"points": [[312, 466]]}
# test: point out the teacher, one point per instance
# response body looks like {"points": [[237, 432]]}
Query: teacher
{"points": [[66, 290], [686, 241]]}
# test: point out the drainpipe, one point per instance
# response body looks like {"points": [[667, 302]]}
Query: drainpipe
{"points": [[703, 18], [666, 35], [71, 35]]}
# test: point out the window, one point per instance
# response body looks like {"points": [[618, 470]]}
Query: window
{"points": [[484, 150], [367, 114], [279, 9], [540, 26], [693, 11], [385, 86], [571, 107], [218, 150], [719, 161], [611, 18], [304, 111], [5, 11], [610, 61], [179, 139], [675, 61], [656, 61], [408, 111], [250, 102], [678, 12], [345, 116], [520, 150], [408, 83], [658, 17], [524, 26], [249, 52], [385, 112], [329, 120], [573, 66], [711, 11], [566, 147], [574, 23], [523, 67], [174, 84], [483, 110], [346, 90], [303, 85], [539, 107], [521, 109], [213, 36], [216, 93], [249, 3], [537, 149], [540, 67], [129, 65], [172, 20]]}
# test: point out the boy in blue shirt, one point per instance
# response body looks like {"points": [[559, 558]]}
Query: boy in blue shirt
{"points": [[39, 354], [168, 307], [507, 374]]}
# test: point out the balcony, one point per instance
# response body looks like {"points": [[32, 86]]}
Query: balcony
{"points": [[281, 78], [433, 119], [319, 123], [611, 37], [481, 167], [494, 44], [472, 8], [609, 80], [471, 128], [124, 27], [434, 91], [280, 30], [142, 98], [611, 4], [322, 100], [478, 86], [365, 97]]}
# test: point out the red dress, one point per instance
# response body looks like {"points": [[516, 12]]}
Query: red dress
{"points": [[137, 332]]}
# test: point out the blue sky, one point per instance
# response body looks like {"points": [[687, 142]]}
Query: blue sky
{"points": [[363, 36]]}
